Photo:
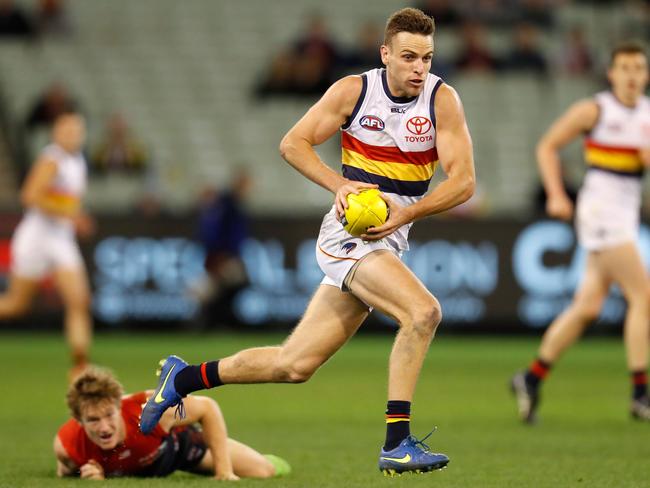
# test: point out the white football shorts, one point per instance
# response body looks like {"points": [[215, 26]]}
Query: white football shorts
{"points": [[337, 251], [607, 211], [39, 247]]}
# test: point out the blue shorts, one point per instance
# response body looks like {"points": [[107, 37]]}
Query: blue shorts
{"points": [[183, 449]]}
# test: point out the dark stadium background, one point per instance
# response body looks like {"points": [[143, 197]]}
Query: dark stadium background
{"points": [[491, 275]]}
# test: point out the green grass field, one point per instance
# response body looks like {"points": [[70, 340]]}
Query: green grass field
{"points": [[331, 428]]}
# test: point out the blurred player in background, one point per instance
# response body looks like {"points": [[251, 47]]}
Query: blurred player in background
{"points": [[103, 439], [222, 231], [396, 123], [44, 241], [616, 126]]}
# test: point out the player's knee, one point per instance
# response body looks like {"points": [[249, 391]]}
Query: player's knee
{"points": [[426, 317], [80, 302], [639, 301], [17, 306], [298, 371], [589, 311]]}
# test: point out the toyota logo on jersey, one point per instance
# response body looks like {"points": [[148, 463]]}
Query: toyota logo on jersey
{"points": [[371, 122], [418, 125]]}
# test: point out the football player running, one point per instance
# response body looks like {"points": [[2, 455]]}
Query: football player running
{"points": [[396, 123]]}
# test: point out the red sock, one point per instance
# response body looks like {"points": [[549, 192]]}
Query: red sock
{"points": [[639, 384], [537, 372]]}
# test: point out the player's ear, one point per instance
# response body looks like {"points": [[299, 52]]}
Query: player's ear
{"points": [[383, 50]]}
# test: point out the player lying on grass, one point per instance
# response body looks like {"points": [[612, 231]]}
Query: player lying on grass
{"points": [[103, 439]]}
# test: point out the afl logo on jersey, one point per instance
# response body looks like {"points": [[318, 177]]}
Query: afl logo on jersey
{"points": [[371, 122], [418, 125]]}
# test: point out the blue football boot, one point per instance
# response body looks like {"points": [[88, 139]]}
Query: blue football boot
{"points": [[165, 395], [411, 456]]}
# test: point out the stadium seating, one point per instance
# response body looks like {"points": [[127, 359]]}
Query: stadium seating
{"points": [[183, 73]]}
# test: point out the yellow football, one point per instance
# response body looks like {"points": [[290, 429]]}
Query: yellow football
{"points": [[365, 210]]}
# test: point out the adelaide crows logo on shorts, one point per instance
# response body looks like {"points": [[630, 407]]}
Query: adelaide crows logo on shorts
{"points": [[372, 122], [348, 247]]}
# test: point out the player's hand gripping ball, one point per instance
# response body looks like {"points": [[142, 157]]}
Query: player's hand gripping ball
{"points": [[365, 210]]}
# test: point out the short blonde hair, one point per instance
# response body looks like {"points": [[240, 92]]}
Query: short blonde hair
{"points": [[410, 20], [93, 386]]}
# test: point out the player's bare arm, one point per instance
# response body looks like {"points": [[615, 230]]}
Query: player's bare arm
{"points": [[645, 156], [320, 123], [34, 191], [206, 412], [454, 146], [578, 119], [64, 465]]}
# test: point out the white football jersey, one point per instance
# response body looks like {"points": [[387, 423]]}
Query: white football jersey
{"points": [[69, 183], [607, 213], [71, 176], [612, 147], [613, 144], [391, 141]]}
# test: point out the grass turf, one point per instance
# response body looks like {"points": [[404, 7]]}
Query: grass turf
{"points": [[330, 429]]}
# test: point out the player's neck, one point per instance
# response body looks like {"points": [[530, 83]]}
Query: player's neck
{"points": [[390, 84], [393, 91], [629, 100], [66, 149]]}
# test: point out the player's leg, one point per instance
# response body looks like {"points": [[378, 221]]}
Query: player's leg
{"points": [[561, 334], [247, 462], [72, 284], [383, 281], [625, 266], [331, 318], [29, 263], [584, 309], [17, 300]]}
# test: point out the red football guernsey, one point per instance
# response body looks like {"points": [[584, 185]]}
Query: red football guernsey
{"points": [[136, 453]]}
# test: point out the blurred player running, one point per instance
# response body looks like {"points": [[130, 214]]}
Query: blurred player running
{"points": [[103, 439], [395, 123], [44, 241], [616, 126]]}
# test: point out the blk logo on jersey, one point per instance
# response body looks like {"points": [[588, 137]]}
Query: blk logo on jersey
{"points": [[371, 122]]}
